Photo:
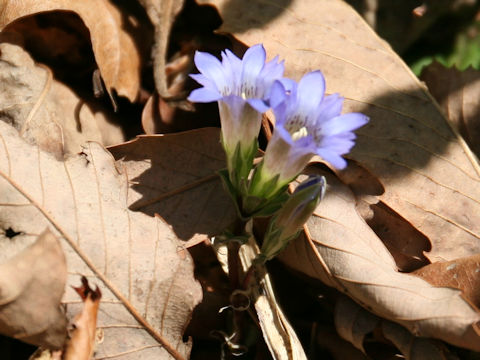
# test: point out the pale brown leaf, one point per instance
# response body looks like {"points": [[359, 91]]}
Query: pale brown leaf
{"points": [[145, 277], [353, 323], [457, 92], [342, 251], [32, 284], [422, 164], [114, 49], [45, 111], [175, 176]]}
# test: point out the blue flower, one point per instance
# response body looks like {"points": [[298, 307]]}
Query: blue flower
{"points": [[241, 88], [307, 123]]}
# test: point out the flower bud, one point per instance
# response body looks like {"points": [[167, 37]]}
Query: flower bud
{"points": [[289, 220]]}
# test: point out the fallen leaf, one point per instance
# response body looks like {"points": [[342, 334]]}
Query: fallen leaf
{"points": [[457, 93], [81, 345], [354, 323], [175, 176], [114, 48], [45, 111], [145, 276], [462, 274], [32, 283], [418, 158], [162, 14], [342, 251]]}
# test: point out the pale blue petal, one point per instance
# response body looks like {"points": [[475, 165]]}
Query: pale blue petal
{"points": [[333, 158], [212, 69], [278, 94], [330, 107], [204, 81], [258, 104], [204, 95], [343, 123], [310, 92], [252, 63]]}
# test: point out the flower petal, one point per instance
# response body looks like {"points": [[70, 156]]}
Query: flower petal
{"points": [[310, 92], [252, 63], [258, 104], [333, 158], [331, 106], [343, 123], [212, 69], [204, 81], [204, 95], [277, 95]]}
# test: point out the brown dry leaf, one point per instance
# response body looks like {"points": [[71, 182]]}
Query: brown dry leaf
{"points": [[146, 278], [175, 176], [81, 345], [342, 251], [457, 93], [32, 283], [45, 111], [422, 164], [162, 14], [462, 274], [114, 49], [353, 323]]}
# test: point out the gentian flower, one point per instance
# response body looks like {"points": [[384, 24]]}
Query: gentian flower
{"points": [[241, 88], [289, 220], [307, 123]]}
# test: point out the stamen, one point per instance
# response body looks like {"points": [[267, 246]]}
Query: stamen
{"points": [[301, 133]]}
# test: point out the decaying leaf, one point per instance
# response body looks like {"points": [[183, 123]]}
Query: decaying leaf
{"points": [[342, 251], [32, 283], [462, 274], [422, 164], [162, 14], [145, 277], [81, 344], [457, 92], [114, 49], [45, 111], [353, 323], [175, 176]]}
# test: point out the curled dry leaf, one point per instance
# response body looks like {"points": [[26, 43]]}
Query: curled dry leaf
{"points": [[423, 165], [32, 283], [81, 344], [145, 278], [341, 250], [457, 93], [45, 111], [175, 176], [114, 49]]}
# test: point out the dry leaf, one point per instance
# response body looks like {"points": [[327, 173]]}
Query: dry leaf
{"points": [[162, 14], [422, 164], [457, 93], [342, 251], [81, 345], [32, 283], [353, 323], [176, 177], [145, 277], [45, 111], [462, 274], [114, 49]]}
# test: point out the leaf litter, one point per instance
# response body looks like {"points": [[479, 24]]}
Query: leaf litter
{"points": [[124, 221]]}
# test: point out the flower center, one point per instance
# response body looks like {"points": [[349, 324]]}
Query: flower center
{"points": [[300, 133]]}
